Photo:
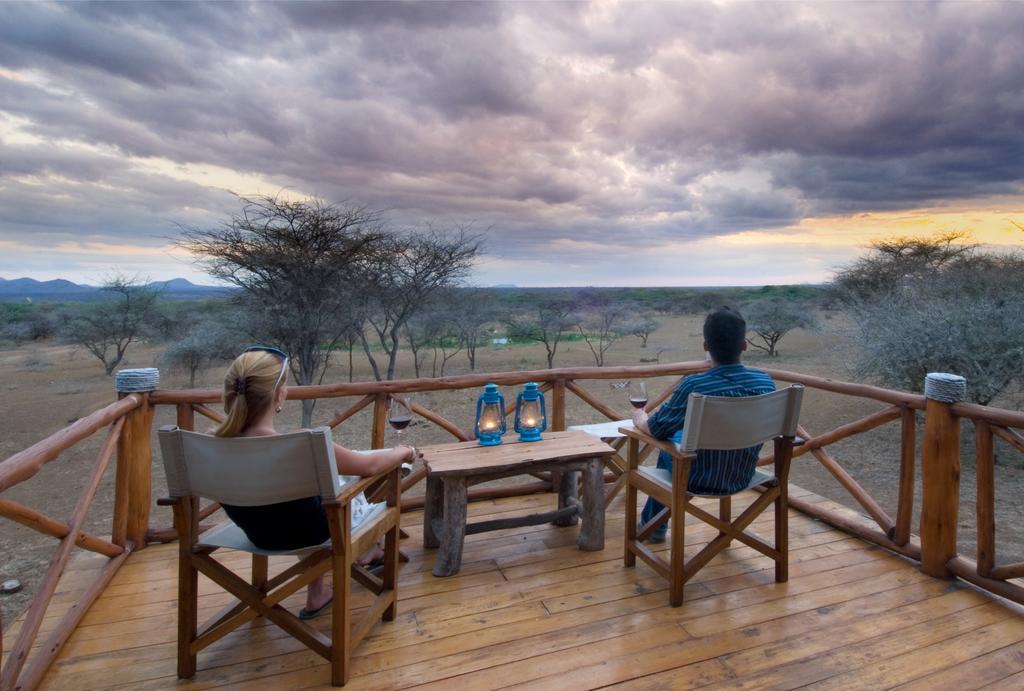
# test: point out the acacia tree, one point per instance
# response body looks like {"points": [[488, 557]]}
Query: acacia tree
{"points": [[772, 319], [600, 328], [472, 310], [964, 315], [406, 271], [419, 332], [897, 261], [547, 322], [642, 326], [107, 327], [207, 342], [295, 263]]}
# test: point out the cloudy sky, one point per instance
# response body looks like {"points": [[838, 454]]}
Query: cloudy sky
{"points": [[606, 143]]}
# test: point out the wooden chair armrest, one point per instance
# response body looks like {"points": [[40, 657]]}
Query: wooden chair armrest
{"points": [[660, 444], [349, 491]]}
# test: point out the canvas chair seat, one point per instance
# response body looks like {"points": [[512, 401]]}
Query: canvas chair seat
{"points": [[713, 422], [228, 535], [259, 471], [664, 476]]}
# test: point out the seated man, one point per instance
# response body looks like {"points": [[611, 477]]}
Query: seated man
{"points": [[713, 472]]}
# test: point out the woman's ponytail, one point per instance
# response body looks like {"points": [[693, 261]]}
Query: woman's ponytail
{"points": [[248, 391]]}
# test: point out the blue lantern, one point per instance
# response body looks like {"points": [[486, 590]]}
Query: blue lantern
{"points": [[531, 415], [490, 416]]}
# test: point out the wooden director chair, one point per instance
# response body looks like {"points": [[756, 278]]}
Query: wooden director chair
{"points": [[256, 471], [713, 422]]}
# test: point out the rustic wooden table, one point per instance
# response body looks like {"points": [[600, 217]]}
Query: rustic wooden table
{"points": [[451, 468]]}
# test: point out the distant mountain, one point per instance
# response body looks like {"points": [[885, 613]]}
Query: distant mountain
{"points": [[60, 289], [183, 285], [30, 286]]}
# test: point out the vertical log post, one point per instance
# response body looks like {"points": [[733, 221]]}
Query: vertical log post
{"points": [[908, 456], [133, 490], [558, 405], [557, 424], [940, 473], [186, 416], [985, 462], [380, 420]]}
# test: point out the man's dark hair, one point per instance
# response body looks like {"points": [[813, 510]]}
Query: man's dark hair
{"points": [[725, 331]]}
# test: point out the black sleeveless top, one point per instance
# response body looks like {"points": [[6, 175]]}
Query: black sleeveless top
{"points": [[285, 526]]}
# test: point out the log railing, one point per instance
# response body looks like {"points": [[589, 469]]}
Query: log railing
{"points": [[129, 424], [985, 571]]}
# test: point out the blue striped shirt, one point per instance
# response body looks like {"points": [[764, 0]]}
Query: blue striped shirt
{"points": [[720, 471]]}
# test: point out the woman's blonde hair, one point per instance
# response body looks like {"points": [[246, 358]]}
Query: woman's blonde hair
{"points": [[248, 390]]}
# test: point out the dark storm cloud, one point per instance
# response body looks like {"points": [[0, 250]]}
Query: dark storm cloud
{"points": [[663, 121]]}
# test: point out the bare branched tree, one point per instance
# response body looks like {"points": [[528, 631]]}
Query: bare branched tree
{"points": [[473, 310], [406, 272], [964, 315], [296, 263], [772, 319], [642, 325], [209, 341], [601, 327], [107, 327], [547, 322]]}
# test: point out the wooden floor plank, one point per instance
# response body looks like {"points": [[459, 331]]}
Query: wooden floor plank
{"points": [[973, 674], [529, 609]]}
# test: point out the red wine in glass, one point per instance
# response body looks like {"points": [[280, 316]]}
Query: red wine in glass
{"points": [[399, 413], [400, 422], [637, 394]]}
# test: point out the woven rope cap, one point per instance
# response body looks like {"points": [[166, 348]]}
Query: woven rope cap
{"points": [[134, 380], [947, 388]]}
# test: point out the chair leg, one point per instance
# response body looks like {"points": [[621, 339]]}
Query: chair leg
{"points": [[341, 567], [188, 619], [677, 557], [782, 534], [186, 516], [628, 556], [390, 576], [725, 510], [259, 572]]}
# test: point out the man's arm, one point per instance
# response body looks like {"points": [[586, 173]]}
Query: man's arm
{"points": [[669, 418]]}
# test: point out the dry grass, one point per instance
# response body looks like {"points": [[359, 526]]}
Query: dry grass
{"points": [[47, 387]]}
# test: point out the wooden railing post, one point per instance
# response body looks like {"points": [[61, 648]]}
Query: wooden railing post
{"points": [[558, 405], [133, 484], [380, 421], [940, 473]]}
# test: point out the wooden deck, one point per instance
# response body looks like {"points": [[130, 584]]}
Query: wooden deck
{"points": [[529, 609]]}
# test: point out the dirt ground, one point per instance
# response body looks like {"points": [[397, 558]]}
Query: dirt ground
{"points": [[47, 387]]}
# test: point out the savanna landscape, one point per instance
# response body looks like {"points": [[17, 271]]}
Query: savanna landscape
{"points": [[48, 384]]}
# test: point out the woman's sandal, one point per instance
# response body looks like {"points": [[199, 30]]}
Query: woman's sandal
{"points": [[305, 614], [376, 567]]}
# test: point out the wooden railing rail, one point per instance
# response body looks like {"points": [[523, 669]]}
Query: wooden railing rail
{"points": [[24, 464]]}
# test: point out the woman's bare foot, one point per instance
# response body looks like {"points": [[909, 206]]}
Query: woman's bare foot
{"points": [[318, 594], [371, 555]]}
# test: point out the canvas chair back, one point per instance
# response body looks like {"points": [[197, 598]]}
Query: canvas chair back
{"points": [[250, 471], [726, 422]]}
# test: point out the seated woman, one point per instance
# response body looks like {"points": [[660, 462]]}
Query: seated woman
{"points": [[255, 388]]}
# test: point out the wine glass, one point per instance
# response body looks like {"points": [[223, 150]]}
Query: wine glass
{"points": [[399, 412], [637, 394]]}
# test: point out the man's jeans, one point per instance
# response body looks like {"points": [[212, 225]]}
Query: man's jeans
{"points": [[651, 508]]}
